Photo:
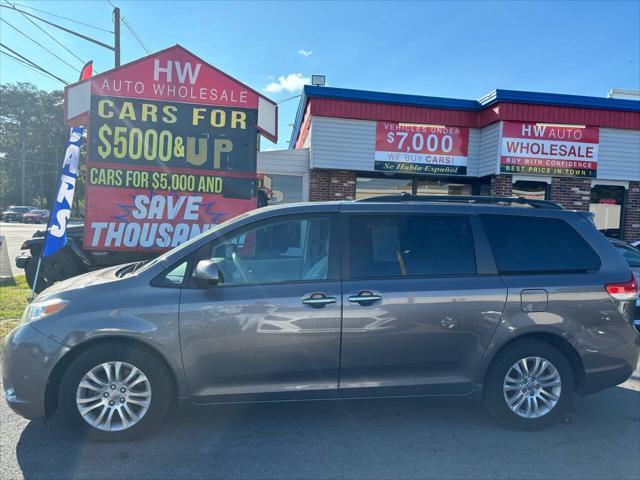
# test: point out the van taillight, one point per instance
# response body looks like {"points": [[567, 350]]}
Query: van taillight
{"points": [[623, 291]]}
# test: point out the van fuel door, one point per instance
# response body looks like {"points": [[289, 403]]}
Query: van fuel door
{"points": [[534, 300]]}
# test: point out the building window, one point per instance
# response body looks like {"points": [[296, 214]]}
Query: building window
{"points": [[283, 188], [438, 187], [369, 187], [531, 190], [606, 205]]}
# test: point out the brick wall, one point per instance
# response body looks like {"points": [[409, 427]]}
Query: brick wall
{"points": [[571, 193], [501, 186], [331, 185], [632, 213]]}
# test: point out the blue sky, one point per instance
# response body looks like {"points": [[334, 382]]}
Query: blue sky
{"points": [[450, 49]]}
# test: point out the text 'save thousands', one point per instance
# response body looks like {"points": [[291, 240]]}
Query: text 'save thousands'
{"points": [[166, 171]]}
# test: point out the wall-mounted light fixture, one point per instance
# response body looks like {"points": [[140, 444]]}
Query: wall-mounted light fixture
{"points": [[318, 80]]}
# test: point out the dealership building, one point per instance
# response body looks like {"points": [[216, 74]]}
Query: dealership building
{"points": [[581, 152]]}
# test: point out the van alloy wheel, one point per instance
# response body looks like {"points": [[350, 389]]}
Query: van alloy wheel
{"points": [[532, 387], [113, 396]]}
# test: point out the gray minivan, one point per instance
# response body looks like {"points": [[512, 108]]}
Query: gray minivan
{"points": [[394, 296]]}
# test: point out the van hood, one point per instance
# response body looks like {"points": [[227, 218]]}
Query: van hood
{"points": [[73, 285]]}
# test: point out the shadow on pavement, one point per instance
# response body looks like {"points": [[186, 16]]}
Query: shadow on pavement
{"points": [[398, 438]]}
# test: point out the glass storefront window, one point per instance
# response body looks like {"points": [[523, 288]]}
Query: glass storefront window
{"points": [[284, 188], [369, 187], [382, 185], [530, 189], [606, 206], [438, 187]]}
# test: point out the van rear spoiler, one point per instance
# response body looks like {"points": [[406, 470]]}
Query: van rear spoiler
{"points": [[589, 216]]}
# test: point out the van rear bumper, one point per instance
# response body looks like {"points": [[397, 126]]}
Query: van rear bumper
{"points": [[609, 354]]}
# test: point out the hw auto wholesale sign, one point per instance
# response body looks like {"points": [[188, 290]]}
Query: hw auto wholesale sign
{"points": [[543, 149], [416, 148], [172, 150]]}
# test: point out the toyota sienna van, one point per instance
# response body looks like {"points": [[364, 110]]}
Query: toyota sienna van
{"points": [[518, 303]]}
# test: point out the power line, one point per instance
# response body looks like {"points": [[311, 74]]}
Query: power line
{"points": [[135, 35], [16, 59], [49, 35], [64, 18], [40, 45], [22, 57], [84, 37], [287, 99], [131, 30]]}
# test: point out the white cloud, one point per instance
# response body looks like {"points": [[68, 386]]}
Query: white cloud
{"points": [[291, 83], [304, 52]]}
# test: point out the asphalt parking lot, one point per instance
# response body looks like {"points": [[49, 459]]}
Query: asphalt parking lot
{"points": [[16, 234], [399, 439]]}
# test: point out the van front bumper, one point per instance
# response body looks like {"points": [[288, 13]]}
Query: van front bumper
{"points": [[28, 358]]}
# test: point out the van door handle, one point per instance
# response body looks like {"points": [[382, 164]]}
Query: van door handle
{"points": [[318, 300], [365, 298]]}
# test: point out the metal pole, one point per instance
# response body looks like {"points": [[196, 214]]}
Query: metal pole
{"points": [[23, 172], [116, 35], [35, 280]]}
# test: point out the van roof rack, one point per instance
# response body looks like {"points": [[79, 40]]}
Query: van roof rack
{"points": [[408, 197]]}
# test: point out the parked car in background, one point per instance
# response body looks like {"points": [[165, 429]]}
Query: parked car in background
{"points": [[629, 252], [69, 261], [394, 296], [36, 216], [636, 244], [632, 256], [15, 213]]}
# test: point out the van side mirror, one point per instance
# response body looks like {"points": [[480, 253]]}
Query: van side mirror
{"points": [[207, 272]]}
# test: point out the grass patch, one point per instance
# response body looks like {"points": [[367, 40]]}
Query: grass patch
{"points": [[13, 300]]}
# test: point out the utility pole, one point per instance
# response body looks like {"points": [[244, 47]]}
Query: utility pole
{"points": [[23, 172], [116, 35]]}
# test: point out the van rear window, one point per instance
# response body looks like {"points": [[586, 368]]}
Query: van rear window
{"points": [[523, 244]]}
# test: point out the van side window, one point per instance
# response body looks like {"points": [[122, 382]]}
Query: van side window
{"points": [[523, 244], [411, 245], [275, 251]]}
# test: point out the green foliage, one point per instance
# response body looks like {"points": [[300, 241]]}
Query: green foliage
{"points": [[14, 299], [31, 120]]}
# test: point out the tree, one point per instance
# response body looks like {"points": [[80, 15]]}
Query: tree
{"points": [[33, 136]]}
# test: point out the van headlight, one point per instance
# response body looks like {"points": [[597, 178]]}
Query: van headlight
{"points": [[39, 310]]}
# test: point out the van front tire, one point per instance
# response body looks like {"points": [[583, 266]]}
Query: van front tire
{"points": [[123, 390], [529, 386]]}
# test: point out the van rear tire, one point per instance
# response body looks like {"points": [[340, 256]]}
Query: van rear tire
{"points": [[535, 398]]}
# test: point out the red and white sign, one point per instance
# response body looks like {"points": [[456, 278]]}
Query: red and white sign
{"points": [[178, 76], [544, 149], [172, 75], [143, 220], [171, 151], [418, 148]]}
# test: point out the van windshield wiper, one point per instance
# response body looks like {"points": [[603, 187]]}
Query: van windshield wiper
{"points": [[129, 269]]}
